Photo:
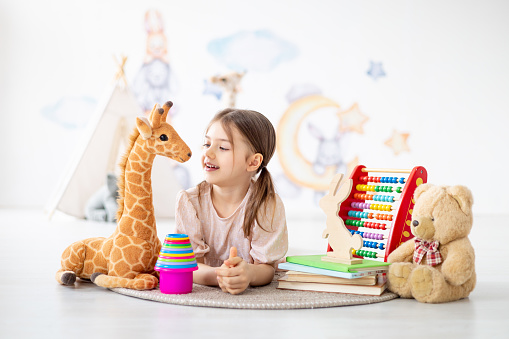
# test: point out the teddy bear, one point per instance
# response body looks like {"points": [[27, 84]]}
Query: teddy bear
{"points": [[102, 205], [438, 264]]}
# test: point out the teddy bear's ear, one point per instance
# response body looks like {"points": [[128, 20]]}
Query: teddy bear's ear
{"points": [[463, 196], [421, 189]]}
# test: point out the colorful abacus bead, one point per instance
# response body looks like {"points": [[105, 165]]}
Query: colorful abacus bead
{"points": [[351, 222], [380, 216], [364, 253], [376, 236], [376, 225], [372, 244]]}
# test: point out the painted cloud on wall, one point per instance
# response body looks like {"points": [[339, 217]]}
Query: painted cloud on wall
{"points": [[70, 112], [260, 51]]}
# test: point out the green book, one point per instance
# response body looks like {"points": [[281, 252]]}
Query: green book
{"points": [[316, 261]]}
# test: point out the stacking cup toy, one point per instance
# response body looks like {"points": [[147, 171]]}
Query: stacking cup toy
{"points": [[176, 264]]}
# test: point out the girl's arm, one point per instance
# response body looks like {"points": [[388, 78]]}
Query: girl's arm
{"points": [[205, 275], [261, 274]]}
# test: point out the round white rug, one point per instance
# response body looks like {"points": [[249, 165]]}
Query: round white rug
{"points": [[265, 297]]}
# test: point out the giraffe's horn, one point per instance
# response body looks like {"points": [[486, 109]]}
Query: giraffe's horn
{"points": [[166, 108], [157, 117], [154, 110]]}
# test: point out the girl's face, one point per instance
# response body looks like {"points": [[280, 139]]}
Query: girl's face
{"points": [[221, 165]]}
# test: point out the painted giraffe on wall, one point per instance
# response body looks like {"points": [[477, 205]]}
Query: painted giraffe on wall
{"points": [[230, 83], [127, 257]]}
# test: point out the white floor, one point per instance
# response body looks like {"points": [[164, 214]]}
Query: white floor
{"points": [[33, 305]]}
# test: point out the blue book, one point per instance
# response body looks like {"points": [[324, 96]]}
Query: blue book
{"points": [[315, 264]]}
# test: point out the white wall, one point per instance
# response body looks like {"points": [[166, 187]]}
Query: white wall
{"points": [[446, 83]]}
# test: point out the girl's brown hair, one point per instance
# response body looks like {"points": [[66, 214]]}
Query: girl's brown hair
{"points": [[260, 135]]}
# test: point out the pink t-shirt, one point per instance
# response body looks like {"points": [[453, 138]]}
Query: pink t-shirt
{"points": [[213, 236]]}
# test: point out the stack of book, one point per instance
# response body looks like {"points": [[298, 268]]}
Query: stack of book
{"points": [[310, 273]]}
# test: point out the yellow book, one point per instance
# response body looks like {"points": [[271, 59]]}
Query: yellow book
{"points": [[332, 288]]}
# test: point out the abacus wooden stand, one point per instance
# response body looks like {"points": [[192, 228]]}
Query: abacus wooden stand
{"points": [[352, 261], [341, 241]]}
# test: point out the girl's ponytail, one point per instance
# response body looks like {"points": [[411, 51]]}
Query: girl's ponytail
{"points": [[262, 197]]}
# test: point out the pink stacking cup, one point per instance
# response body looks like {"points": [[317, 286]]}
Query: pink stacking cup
{"points": [[176, 264], [176, 282]]}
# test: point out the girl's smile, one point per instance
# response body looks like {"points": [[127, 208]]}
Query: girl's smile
{"points": [[209, 167]]}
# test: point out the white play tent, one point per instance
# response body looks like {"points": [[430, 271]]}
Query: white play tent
{"points": [[99, 152]]}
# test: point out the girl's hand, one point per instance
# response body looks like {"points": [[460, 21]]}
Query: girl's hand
{"points": [[234, 275]]}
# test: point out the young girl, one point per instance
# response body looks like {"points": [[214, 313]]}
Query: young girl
{"points": [[234, 219]]}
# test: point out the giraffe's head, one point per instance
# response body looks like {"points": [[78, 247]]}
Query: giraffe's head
{"points": [[160, 137]]}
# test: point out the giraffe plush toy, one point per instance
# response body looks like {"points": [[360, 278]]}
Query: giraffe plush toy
{"points": [[127, 257]]}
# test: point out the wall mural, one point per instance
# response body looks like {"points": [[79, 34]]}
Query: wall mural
{"points": [[225, 84], [376, 70], [245, 52], [74, 112], [256, 51], [70, 112], [155, 81], [314, 130], [398, 142], [312, 134]]}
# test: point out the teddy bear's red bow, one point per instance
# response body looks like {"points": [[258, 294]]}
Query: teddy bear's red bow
{"points": [[428, 248]]}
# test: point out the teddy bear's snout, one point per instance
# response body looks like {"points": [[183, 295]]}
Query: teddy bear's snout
{"points": [[423, 227]]}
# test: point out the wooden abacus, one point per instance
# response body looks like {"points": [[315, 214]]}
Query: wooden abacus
{"points": [[379, 208]]}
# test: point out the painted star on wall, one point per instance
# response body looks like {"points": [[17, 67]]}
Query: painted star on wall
{"points": [[398, 142], [376, 70], [352, 120], [352, 164]]}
